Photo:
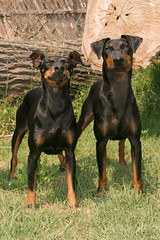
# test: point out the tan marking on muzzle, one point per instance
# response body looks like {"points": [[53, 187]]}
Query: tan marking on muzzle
{"points": [[109, 62], [53, 84], [127, 60], [49, 73], [127, 63]]}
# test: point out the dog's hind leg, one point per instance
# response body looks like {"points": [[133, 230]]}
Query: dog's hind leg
{"points": [[62, 160], [20, 131], [121, 152]]}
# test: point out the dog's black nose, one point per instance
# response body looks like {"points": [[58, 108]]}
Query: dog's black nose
{"points": [[59, 68], [118, 59]]}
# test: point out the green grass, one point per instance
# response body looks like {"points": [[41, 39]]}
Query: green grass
{"points": [[115, 215]]}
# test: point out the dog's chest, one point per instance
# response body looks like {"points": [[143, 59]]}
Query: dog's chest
{"points": [[54, 142], [54, 136], [111, 128]]}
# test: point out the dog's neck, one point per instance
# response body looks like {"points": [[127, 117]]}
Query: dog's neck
{"points": [[55, 98], [117, 88]]}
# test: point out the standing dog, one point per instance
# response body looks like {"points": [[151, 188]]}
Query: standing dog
{"points": [[112, 105], [48, 115]]}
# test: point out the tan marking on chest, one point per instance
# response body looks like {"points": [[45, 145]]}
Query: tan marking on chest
{"points": [[133, 126], [69, 136], [40, 139], [105, 127]]}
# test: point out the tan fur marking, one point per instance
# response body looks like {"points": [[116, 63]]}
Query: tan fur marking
{"points": [[49, 73], [127, 63], [127, 60], [62, 160], [137, 184], [133, 126], [31, 196], [121, 43], [109, 62], [69, 136], [104, 127], [55, 89], [40, 139], [68, 74], [53, 84], [71, 192], [102, 183]]}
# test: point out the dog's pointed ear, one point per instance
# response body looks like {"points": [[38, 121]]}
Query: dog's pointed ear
{"points": [[76, 59], [37, 58], [98, 46], [133, 41]]}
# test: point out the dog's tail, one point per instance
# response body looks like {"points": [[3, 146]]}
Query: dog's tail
{"points": [[86, 116]]}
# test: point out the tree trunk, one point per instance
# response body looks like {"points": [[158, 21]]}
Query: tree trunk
{"points": [[115, 18]]}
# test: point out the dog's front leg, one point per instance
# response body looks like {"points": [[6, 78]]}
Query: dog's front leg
{"points": [[136, 163], [70, 173], [32, 173], [101, 161]]}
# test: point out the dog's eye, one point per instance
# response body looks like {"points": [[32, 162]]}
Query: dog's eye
{"points": [[49, 62], [109, 48], [124, 46], [63, 61]]}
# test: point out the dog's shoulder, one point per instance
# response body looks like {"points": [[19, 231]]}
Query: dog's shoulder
{"points": [[96, 87]]}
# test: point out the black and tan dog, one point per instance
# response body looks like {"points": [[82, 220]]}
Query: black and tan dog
{"points": [[48, 115], [112, 105]]}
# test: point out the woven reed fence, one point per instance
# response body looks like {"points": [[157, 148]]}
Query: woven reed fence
{"points": [[53, 26], [42, 20]]}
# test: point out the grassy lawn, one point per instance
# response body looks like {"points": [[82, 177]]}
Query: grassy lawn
{"points": [[115, 215]]}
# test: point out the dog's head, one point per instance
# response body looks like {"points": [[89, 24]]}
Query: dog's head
{"points": [[56, 70], [118, 53]]}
